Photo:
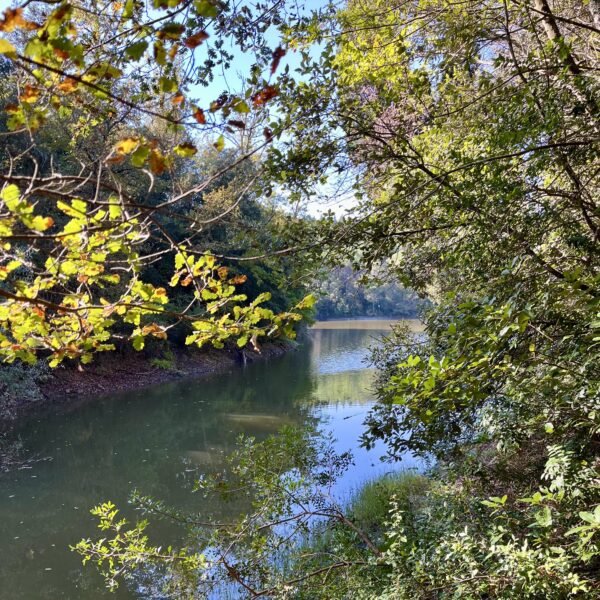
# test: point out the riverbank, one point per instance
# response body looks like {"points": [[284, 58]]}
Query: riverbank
{"points": [[28, 391]]}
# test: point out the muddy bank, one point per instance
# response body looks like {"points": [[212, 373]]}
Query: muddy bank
{"points": [[67, 387]]}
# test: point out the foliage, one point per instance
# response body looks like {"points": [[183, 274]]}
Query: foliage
{"points": [[20, 384], [471, 131], [128, 547], [166, 361], [470, 134], [345, 294], [100, 133], [288, 480]]}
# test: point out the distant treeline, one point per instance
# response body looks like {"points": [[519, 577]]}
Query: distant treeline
{"points": [[343, 294]]}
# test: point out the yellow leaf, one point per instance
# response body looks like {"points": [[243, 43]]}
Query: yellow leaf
{"points": [[39, 223], [127, 146], [7, 48], [185, 150]]}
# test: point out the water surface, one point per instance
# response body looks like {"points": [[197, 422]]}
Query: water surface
{"points": [[158, 441]]}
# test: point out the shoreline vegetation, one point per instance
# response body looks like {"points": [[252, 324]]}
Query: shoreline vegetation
{"points": [[29, 391], [159, 165]]}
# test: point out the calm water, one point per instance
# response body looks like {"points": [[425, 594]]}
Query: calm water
{"points": [[159, 441]]}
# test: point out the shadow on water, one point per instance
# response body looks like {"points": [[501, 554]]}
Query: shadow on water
{"points": [[158, 441]]}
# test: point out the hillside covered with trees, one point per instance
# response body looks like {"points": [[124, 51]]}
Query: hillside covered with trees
{"points": [[343, 294], [138, 203]]}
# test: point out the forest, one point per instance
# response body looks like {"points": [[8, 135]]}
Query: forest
{"points": [[160, 165]]}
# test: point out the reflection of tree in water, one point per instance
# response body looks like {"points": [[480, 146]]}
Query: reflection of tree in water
{"points": [[157, 440]]}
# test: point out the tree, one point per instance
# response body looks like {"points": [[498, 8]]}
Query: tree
{"points": [[472, 133], [472, 130], [77, 216]]}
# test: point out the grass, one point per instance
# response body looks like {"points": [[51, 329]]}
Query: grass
{"points": [[370, 506], [166, 362]]}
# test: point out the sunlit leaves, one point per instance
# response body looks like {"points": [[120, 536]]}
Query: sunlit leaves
{"points": [[185, 150], [127, 145], [125, 546], [23, 210], [73, 249], [7, 48]]}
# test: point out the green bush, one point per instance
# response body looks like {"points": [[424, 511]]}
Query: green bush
{"points": [[19, 386]]}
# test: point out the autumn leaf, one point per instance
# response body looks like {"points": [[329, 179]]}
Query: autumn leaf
{"points": [[268, 134], [127, 146], [154, 330], [13, 19], [238, 124], [238, 279], [278, 54], [30, 95], [267, 93], [115, 160], [199, 116], [68, 85], [157, 162], [60, 53], [178, 99], [219, 103], [39, 223], [195, 40]]}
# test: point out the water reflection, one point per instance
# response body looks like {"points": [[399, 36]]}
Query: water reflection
{"points": [[158, 441]]}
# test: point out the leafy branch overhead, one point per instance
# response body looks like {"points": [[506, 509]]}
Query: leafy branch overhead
{"points": [[103, 145]]}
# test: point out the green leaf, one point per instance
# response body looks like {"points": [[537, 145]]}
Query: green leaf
{"points": [[167, 84], [136, 51], [138, 342], [140, 156], [205, 8], [241, 107], [220, 143]]}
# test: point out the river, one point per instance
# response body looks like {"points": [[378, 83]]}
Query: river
{"points": [[159, 441]]}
